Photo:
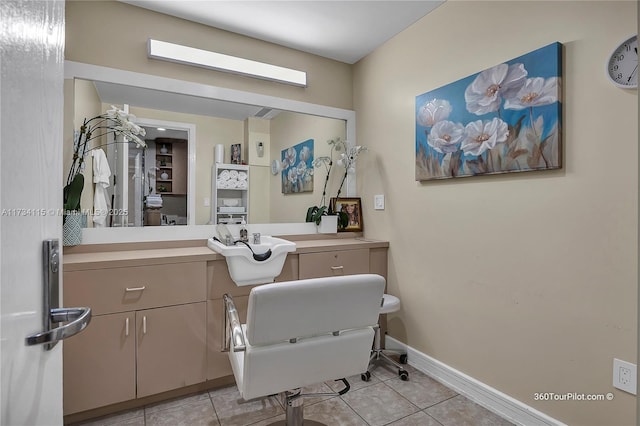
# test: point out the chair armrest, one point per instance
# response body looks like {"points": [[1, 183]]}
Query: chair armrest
{"points": [[232, 335]]}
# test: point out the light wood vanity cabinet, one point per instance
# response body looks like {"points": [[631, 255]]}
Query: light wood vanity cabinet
{"points": [[330, 263], [157, 321], [99, 364], [147, 334]]}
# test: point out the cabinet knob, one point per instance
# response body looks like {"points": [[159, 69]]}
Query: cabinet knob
{"points": [[129, 289], [337, 270]]}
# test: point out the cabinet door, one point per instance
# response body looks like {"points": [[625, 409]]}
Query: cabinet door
{"points": [[218, 361], [172, 347], [330, 263], [99, 364]]}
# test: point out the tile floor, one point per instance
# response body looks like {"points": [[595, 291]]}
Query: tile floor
{"points": [[384, 400]]}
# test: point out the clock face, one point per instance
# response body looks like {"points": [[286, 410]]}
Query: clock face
{"points": [[275, 167], [622, 67]]}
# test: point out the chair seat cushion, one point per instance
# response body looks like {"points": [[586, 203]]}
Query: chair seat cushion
{"points": [[267, 370], [390, 304]]}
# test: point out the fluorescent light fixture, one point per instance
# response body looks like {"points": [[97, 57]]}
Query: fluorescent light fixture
{"points": [[203, 58]]}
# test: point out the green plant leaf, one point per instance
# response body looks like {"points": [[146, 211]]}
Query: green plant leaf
{"points": [[343, 220], [73, 192], [314, 214]]}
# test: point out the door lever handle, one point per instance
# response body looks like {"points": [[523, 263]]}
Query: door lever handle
{"points": [[79, 317], [52, 313]]}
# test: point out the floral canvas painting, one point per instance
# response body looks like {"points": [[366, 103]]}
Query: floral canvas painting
{"points": [[501, 120], [297, 168]]}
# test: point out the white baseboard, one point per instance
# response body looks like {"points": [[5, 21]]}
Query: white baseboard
{"points": [[478, 392]]}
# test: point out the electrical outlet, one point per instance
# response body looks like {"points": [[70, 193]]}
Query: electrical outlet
{"points": [[624, 376], [378, 202]]}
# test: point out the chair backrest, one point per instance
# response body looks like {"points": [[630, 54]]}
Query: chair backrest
{"points": [[297, 309]]}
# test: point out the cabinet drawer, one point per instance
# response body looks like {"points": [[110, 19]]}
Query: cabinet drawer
{"points": [[341, 262], [132, 288]]}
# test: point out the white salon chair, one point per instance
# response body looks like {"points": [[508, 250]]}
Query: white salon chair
{"points": [[389, 304], [303, 332]]}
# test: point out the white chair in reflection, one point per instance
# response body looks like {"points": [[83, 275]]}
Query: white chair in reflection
{"points": [[300, 333]]}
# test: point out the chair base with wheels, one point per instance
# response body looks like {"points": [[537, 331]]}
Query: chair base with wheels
{"points": [[389, 304]]}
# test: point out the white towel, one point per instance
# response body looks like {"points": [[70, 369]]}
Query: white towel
{"points": [[233, 174], [224, 175], [242, 184], [101, 175], [154, 201], [242, 175]]}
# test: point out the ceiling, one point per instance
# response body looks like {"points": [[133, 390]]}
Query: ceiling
{"points": [[345, 31]]}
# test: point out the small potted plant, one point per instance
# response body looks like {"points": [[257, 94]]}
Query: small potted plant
{"points": [[347, 159]]}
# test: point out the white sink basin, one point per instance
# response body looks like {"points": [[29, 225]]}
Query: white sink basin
{"points": [[257, 267]]}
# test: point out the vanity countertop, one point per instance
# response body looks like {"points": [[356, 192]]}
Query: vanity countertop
{"points": [[77, 259]]}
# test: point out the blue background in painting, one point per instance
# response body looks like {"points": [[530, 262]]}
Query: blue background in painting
{"points": [[308, 143], [544, 62]]}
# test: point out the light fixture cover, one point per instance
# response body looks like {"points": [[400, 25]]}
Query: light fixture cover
{"points": [[203, 58]]}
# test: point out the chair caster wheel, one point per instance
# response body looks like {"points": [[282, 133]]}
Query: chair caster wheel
{"points": [[404, 375], [403, 359], [365, 376]]}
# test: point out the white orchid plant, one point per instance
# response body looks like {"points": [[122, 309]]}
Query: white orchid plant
{"points": [[114, 121], [347, 159]]}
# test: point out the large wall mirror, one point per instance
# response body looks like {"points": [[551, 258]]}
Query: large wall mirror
{"points": [[185, 122]]}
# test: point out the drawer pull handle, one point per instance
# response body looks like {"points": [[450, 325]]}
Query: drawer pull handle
{"points": [[126, 327], [144, 324], [337, 268], [136, 288]]}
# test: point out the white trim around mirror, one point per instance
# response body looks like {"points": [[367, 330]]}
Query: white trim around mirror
{"points": [[73, 70]]}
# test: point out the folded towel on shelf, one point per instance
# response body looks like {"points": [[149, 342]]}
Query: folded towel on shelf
{"points": [[242, 175], [154, 201], [242, 184], [222, 184], [224, 175], [233, 174]]}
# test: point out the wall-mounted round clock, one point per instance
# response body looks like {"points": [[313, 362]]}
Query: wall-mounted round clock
{"points": [[622, 67], [275, 167]]}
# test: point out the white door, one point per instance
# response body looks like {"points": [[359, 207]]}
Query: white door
{"points": [[31, 113]]}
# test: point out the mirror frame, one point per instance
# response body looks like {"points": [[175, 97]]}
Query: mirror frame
{"points": [[78, 70]]}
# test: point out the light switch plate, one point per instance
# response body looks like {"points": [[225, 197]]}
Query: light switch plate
{"points": [[378, 202]]}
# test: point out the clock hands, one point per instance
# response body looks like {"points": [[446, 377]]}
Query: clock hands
{"points": [[635, 70]]}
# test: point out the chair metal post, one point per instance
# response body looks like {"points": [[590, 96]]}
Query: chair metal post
{"points": [[232, 334]]}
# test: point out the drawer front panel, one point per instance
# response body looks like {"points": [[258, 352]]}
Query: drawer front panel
{"points": [[327, 264], [131, 288]]}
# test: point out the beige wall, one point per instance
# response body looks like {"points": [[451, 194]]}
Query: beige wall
{"points": [[525, 282], [114, 34], [289, 129]]}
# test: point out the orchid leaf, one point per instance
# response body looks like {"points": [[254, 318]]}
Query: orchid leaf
{"points": [[73, 192]]}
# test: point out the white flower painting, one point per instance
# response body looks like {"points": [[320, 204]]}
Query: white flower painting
{"points": [[297, 168], [501, 120]]}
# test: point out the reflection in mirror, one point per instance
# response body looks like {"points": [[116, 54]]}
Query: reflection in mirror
{"points": [[262, 131]]}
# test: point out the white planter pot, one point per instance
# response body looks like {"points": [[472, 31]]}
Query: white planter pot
{"points": [[328, 224]]}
